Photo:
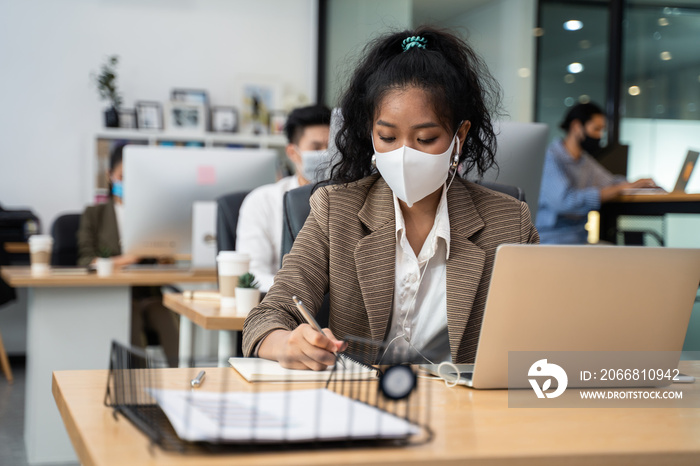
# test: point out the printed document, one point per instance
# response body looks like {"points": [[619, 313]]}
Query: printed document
{"points": [[292, 416]]}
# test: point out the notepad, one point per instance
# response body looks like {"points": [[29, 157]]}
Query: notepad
{"points": [[264, 370]]}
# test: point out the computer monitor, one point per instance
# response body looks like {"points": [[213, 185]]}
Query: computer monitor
{"points": [[520, 157], [162, 183]]}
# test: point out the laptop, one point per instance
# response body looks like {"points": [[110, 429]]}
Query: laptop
{"points": [[686, 170], [681, 182], [582, 298]]}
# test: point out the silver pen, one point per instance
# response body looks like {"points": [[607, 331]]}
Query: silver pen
{"points": [[197, 381], [311, 321]]}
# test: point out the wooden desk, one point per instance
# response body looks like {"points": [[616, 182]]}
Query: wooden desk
{"points": [[20, 277], [71, 319], [17, 248], [470, 426], [645, 205], [206, 314]]}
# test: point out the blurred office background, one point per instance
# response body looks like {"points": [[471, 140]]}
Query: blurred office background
{"points": [[547, 55]]}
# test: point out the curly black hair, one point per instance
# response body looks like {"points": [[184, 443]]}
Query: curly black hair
{"points": [[454, 76]]}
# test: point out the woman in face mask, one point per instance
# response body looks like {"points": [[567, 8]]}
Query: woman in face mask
{"points": [[101, 224], [401, 242], [573, 182]]}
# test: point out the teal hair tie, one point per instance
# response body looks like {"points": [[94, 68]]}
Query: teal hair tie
{"points": [[413, 41]]}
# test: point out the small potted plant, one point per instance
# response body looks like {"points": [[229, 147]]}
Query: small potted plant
{"points": [[247, 293], [104, 263], [107, 87]]}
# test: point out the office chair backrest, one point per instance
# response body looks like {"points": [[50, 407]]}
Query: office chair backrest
{"points": [[296, 209], [512, 191], [65, 240], [227, 208]]}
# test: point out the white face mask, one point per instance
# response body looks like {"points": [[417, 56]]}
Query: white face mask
{"points": [[412, 174], [315, 165]]}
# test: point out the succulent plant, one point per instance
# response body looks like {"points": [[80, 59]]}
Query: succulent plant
{"points": [[247, 280]]}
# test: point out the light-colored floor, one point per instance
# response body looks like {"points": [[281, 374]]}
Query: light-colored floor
{"points": [[12, 451], [12, 418]]}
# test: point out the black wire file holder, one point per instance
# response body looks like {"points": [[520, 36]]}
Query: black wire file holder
{"points": [[348, 409]]}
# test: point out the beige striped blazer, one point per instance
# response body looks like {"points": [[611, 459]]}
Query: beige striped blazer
{"points": [[347, 248]]}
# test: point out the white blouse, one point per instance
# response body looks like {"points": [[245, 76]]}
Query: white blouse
{"points": [[418, 329]]}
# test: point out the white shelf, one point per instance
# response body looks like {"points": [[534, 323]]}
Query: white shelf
{"points": [[209, 139]]}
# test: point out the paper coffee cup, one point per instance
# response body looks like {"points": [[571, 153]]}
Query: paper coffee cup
{"points": [[231, 265], [40, 253]]}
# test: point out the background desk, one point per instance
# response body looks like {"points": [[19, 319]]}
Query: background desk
{"points": [[206, 314], [17, 248], [645, 205], [470, 426], [71, 320]]}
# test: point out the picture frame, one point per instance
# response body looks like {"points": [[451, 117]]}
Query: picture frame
{"points": [[258, 100], [185, 117], [127, 118], [224, 119], [195, 96], [149, 115], [278, 118]]}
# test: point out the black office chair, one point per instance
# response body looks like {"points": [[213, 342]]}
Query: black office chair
{"points": [[227, 207], [296, 209], [65, 240]]}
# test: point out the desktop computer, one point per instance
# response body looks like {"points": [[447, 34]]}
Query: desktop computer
{"points": [[161, 184]]}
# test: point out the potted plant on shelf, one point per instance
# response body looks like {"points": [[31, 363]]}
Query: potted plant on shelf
{"points": [[247, 293], [107, 87], [104, 263]]}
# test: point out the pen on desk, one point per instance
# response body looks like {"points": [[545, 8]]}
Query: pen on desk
{"points": [[197, 381], [311, 321]]}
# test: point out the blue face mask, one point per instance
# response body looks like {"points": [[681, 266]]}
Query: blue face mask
{"points": [[118, 189]]}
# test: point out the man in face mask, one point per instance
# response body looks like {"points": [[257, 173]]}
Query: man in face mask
{"points": [[573, 182], [259, 231]]}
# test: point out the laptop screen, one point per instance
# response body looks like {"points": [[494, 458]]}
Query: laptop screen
{"points": [[686, 170]]}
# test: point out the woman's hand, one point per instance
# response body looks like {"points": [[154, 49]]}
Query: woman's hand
{"points": [[302, 348], [125, 259], [121, 261]]}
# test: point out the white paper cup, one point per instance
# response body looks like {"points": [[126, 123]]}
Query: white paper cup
{"points": [[40, 247], [231, 265]]}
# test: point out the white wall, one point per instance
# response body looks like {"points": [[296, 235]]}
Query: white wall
{"points": [[51, 107], [501, 31]]}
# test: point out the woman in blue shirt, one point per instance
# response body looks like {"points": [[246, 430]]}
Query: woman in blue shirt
{"points": [[573, 182]]}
